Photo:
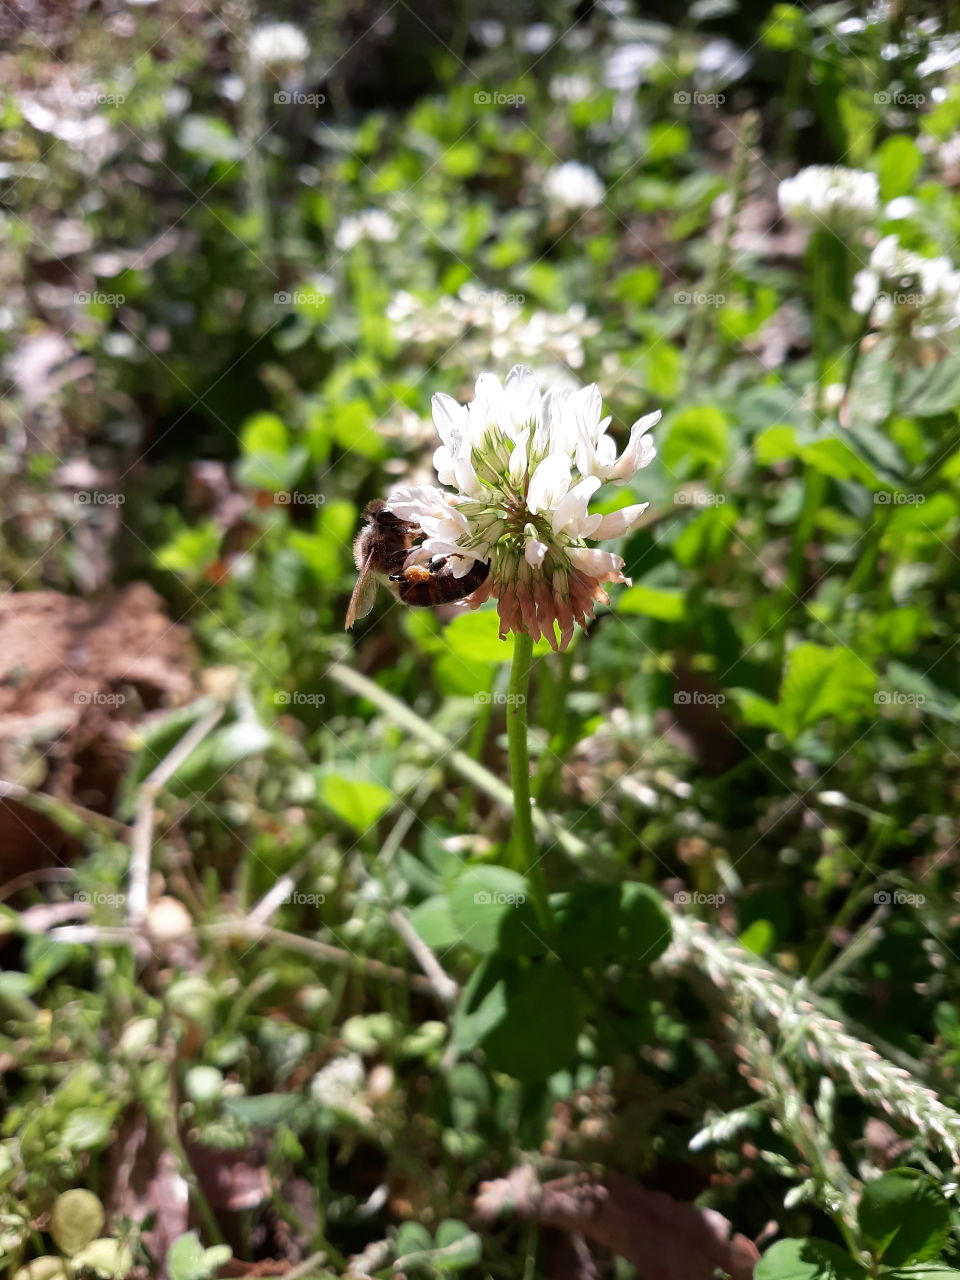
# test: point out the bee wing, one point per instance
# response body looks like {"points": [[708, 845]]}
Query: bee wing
{"points": [[364, 594]]}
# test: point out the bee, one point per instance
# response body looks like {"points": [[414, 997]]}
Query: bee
{"points": [[380, 549]]}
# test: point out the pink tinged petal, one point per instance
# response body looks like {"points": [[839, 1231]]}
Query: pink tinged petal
{"points": [[548, 484], [534, 552], [618, 522], [602, 565]]}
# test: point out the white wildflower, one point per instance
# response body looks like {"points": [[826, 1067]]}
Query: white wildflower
{"points": [[902, 291], [573, 186], [523, 468], [279, 44], [831, 196], [371, 224]]}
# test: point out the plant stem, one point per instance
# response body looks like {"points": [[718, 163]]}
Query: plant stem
{"points": [[524, 849]]}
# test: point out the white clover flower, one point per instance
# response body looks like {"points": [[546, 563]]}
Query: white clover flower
{"points": [[522, 469], [829, 195], [278, 44], [902, 291], [488, 327], [572, 88], [573, 186], [371, 224], [340, 1085]]}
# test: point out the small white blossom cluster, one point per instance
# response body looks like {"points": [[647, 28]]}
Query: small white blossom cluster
{"points": [[278, 44], [371, 224], [830, 196], [522, 468], [484, 327], [340, 1086], [900, 290], [573, 186]]}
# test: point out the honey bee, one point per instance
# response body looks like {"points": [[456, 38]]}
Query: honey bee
{"points": [[380, 549]]}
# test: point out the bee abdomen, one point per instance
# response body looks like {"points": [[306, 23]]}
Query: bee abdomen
{"points": [[422, 587]]}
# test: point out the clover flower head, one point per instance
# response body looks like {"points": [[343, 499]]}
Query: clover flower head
{"points": [[573, 186], [521, 469], [371, 224], [278, 44], [901, 290], [832, 196]]}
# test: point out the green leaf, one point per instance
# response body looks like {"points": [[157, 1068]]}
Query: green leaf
{"points": [[899, 161], [653, 602], [696, 437], [904, 1217], [775, 444], [835, 458], [491, 910], [934, 390], [807, 1260], [359, 804], [537, 1034], [187, 1259], [645, 929], [266, 1110], [86, 1128], [434, 923], [821, 682], [76, 1218], [106, 1257]]}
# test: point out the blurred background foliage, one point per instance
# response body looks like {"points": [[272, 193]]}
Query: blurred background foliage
{"points": [[235, 267]]}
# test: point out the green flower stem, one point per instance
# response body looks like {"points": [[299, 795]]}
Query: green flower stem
{"points": [[524, 849]]}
